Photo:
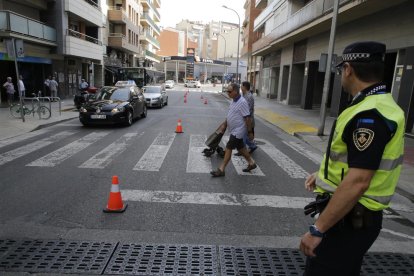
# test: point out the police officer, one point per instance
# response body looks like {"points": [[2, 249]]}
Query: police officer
{"points": [[360, 170]]}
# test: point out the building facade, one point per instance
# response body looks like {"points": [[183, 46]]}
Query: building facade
{"points": [[295, 34]]}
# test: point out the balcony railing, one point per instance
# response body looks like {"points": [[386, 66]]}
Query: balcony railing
{"points": [[16, 23], [93, 3], [145, 16], [84, 37], [151, 54], [307, 14]]}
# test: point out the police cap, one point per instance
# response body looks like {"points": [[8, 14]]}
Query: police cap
{"points": [[366, 51]]}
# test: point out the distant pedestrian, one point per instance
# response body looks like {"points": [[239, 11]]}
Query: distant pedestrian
{"points": [[46, 85], [248, 96], [238, 123], [20, 85], [83, 86], [9, 86], [53, 86]]}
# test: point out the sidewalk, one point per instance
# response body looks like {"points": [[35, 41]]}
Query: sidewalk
{"points": [[10, 126]]}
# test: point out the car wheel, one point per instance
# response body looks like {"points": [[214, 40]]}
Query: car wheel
{"points": [[128, 119], [144, 112]]}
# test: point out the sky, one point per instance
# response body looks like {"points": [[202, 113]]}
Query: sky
{"points": [[173, 11]]}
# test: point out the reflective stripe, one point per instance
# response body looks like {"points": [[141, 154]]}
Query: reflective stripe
{"points": [[385, 165], [385, 200], [324, 186], [390, 164], [115, 188]]}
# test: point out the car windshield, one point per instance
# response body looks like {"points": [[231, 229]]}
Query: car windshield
{"points": [[114, 94], [152, 89]]}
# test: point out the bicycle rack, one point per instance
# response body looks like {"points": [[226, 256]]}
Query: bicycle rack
{"points": [[32, 99], [60, 104]]}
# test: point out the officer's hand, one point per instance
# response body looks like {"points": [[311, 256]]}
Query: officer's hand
{"points": [[310, 182], [308, 244]]}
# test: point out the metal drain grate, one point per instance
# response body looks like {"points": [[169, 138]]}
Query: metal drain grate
{"points": [[388, 264], [138, 259], [55, 256], [260, 261]]}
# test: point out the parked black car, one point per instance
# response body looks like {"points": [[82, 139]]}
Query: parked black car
{"points": [[114, 105]]}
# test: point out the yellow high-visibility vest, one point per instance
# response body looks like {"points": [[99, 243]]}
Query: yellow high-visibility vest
{"points": [[384, 181]]}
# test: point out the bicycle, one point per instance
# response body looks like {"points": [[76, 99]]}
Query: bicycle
{"points": [[44, 112]]}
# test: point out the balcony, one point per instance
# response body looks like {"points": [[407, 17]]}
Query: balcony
{"points": [[117, 15], [145, 36], [15, 25], [88, 10], [147, 21], [266, 14], [120, 41], [150, 55], [309, 13], [157, 3], [81, 45], [261, 4]]}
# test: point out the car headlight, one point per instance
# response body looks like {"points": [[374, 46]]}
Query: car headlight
{"points": [[118, 109], [83, 110]]}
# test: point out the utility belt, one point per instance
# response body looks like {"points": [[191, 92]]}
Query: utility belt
{"points": [[359, 216]]}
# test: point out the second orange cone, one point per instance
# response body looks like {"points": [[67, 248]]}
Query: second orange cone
{"points": [[179, 128], [115, 204]]}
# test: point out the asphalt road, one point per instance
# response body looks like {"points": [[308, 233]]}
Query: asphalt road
{"points": [[54, 185]]}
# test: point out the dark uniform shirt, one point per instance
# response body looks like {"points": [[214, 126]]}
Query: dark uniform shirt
{"points": [[367, 134]]}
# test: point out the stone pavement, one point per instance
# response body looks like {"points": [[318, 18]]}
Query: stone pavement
{"points": [[291, 119]]}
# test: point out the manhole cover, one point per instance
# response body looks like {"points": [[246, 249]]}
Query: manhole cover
{"points": [[55, 256], [139, 259]]}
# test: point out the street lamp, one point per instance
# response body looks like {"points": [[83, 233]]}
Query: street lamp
{"points": [[224, 57], [238, 43]]}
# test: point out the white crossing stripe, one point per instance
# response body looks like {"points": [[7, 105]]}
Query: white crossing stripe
{"points": [[58, 156], [156, 153], [12, 140], [240, 163], [283, 161], [105, 156], [29, 148], [244, 200], [196, 161], [314, 157]]}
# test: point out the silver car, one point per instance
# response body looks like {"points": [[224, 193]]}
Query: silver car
{"points": [[155, 96], [169, 84], [193, 83]]}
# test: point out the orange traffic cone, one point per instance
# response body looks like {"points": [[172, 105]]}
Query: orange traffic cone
{"points": [[205, 101], [179, 128], [185, 99], [115, 204]]}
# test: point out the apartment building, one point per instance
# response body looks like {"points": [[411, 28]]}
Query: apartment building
{"points": [[60, 38], [27, 22], [250, 37], [132, 35], [295, 33]]}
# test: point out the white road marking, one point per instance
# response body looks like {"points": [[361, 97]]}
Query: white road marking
{"points": [[196, 161], [106, 156], [240, 163], [314, 157], [216, 199], [12, 140], [156, 153], [397, 234], [283, 161], [29, 148], [58, 156]]}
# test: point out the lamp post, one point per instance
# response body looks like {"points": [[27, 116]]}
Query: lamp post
{"points": [[238, 43], [224, 57]]}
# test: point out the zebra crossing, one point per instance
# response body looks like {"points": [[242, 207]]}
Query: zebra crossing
{"points": [[152, 159]]}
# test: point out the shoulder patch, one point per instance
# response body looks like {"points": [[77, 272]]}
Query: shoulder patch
{"points": [[362, 138]]}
